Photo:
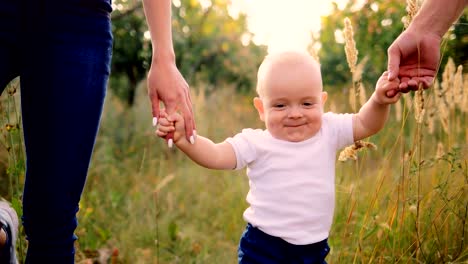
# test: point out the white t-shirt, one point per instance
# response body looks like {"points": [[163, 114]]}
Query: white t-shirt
{"points": [[292, 184]]}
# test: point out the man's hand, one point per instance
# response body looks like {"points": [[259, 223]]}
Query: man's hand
{"points": [[414, 58]]}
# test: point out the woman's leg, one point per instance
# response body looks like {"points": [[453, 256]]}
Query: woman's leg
{"points": [[65, 68], [9, 32]]}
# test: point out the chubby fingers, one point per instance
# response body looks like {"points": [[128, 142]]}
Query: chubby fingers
{"points": [[165, 127], [171, 128], [392, 99], [161, 133], [391, 92], [390, 86]]}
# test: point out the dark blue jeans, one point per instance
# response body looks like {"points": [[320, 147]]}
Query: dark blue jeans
{"points": [[61, 50], [257, 247]]}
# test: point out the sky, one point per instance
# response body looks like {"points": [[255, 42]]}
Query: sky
{"points": [[283, 24]]}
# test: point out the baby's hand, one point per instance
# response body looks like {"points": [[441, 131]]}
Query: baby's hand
{"points": [[173, 123], [387, 92]]}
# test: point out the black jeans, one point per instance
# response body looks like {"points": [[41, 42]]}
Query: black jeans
{"points": [[61, 50]]}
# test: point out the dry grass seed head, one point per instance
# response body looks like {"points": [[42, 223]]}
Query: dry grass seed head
{"points": [[441, 106], [412, 7], [350, 45], [464, 104], [440, 150], [458, 86], [430, 113], [350, 152], [447, 82], [419, 105]]}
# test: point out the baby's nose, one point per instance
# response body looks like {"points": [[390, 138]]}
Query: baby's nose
{"points": [[295, 112]]}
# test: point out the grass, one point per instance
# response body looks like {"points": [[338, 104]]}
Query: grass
{"points": [[400, 203], [145, 203], [405, 202]]}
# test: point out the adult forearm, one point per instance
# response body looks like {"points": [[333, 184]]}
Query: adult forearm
{"points": [[158, 17], [437, 16]]}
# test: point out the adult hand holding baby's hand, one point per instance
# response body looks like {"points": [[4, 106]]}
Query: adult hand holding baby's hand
{"points": [[166, 84], [414, 58], [387, 92], [170, 124]]}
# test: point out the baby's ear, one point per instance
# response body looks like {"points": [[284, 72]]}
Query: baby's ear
{"points": [[259, 106]]}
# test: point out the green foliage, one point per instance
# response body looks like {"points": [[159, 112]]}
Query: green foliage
{"points": [[131, 51], [207, 43], [375, 27], [457, 43], [401, 203]]}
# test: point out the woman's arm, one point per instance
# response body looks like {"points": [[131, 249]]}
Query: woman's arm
{"points": [[165, 82]]}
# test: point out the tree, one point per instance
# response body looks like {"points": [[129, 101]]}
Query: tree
{"points": [[131, 51], [207, 42], [375, 26], [457, 43]]}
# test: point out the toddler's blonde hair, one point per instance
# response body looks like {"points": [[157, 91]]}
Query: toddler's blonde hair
{"points": [[284, 58]]}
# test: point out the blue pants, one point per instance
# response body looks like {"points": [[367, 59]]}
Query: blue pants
{"points": [[257, 247], [61, 50]]}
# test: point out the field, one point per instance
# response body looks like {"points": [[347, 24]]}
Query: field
{"points": [[404, 202]]}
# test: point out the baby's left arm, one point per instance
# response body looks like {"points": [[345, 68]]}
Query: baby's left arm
{"points": [[203, 151], [374, 113]]}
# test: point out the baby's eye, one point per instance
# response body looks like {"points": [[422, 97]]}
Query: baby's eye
{"points": [[308, 104], [279, 105]]}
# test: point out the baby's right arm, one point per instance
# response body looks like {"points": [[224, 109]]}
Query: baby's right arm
{"points": [[203, 151]]}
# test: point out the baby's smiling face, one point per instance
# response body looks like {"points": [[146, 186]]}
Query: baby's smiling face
{"points": [[290, 98]]}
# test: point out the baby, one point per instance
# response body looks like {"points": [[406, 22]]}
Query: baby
{"points": [[291, 163]]}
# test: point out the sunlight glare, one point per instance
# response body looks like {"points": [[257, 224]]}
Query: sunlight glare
{"points": [[205, 4], [284, 25]]}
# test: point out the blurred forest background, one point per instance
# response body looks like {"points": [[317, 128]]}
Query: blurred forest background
{"points": [[216, 49], [405, 202]]}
